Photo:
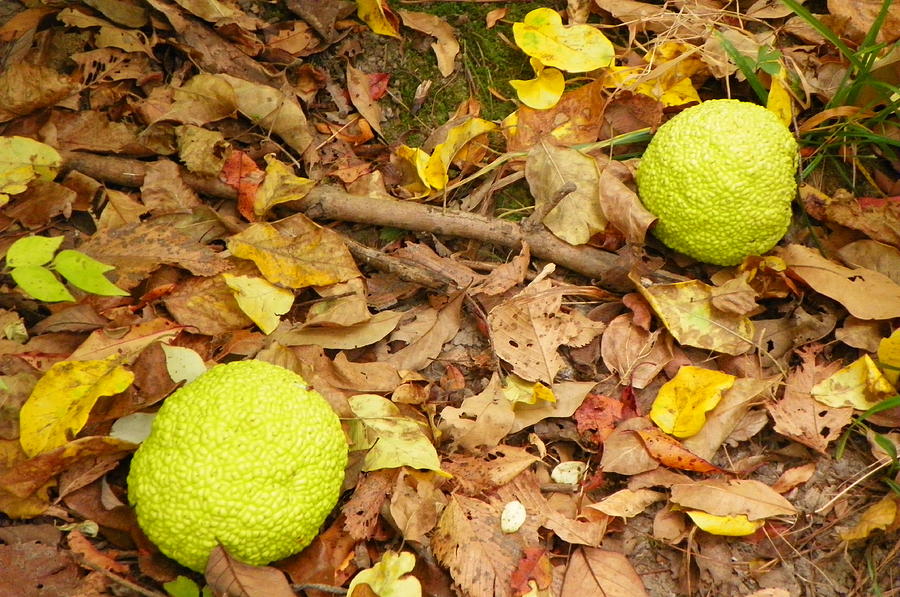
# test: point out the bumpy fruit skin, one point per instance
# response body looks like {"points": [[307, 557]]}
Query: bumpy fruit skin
{"points": [[720, 177], [246, 456]]}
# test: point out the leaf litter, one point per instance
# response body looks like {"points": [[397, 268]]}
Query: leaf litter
{"points": [[209, 178]]}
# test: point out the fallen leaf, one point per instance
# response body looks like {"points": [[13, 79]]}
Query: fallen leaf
{"points": [[262, 301], [426, 335], [889, 356], [316, 257], [379, 18], [860, 385], [594, 571], [359, 87], [878, 516], [342, 337], [280, 185], [544, 90], [576, 49], [681, 405], [22, 161], [729, 525], [632, 352], [456, 140], [687, 311], [445, 48], [229, 576], [389, 577], [866, 294], [671, 453], [390, 439], [627, 503], [62, 399], [730, 497], [574, 216]]}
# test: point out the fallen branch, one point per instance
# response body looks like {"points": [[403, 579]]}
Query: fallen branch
{"points": [[331, 203]]}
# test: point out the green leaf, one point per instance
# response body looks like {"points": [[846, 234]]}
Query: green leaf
{"points": [[182, 587], [32, 250], [86, 273], [40, 283]]}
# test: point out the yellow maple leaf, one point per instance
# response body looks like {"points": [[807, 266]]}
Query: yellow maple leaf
{"points": [[681, 405], [61, 401], [730, 526], [576, 49]]}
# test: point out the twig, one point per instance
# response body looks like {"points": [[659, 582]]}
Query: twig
{"points": [[332, 203]]}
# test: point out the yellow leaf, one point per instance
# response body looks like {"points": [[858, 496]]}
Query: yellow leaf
{"points": [[62, 399], [878, 516], [442, 156], [23, 160], [730, 526], [372, 13], [688, 312], [779, 100], [860, 385], [518, 390], [413, 163], [316, 257], [544, 90], [889, 357], [576, 49], [389, 577], [682, 403], [262, 301], [391, 439], [280, 186]]}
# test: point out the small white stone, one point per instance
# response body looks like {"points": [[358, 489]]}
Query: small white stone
{"points": [[569, 472], [513, 517]]}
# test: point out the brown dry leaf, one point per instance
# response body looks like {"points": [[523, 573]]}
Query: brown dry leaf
{"points": [[624, 452], [342, 337], [736, 296], [343, 304], [363, 510], [41, 203], [878, 219], [526, 489], [597, 417], [93, 557], [231, 577], [425, 335], [211, 52], [865, 293], [296, 38], [476, 475], [328, 560], [127, 345], [858, 17], [872, 255], [779, 337], [482, 420], [593, 571], [621, 204], [671, 453], [687, 311], [416, 504], [575, 119], [297, 255], [528, 330], [207, 305], [794, 477], [728, 414], [120, 210], [164, 190], [626, 503], [799, 416], [28, 477], [730, 497], [481, 558], [632, 352], [569, 396], [462, 275], [506, 276], [35, 568], [445, 48], [26, 88], [138, 249], [565, 185], [359, 86]]}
